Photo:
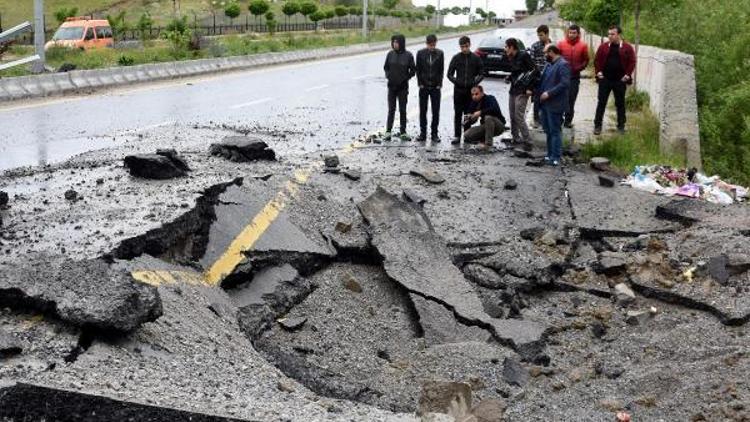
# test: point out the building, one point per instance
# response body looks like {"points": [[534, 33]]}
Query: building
{"points": [[520, 14]]}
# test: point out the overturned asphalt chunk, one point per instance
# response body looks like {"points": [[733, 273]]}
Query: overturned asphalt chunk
{"points": [[439, 326], [165, 164], [33, 402], [9, 345], [428, 271], [90, 293], [242, 149]]}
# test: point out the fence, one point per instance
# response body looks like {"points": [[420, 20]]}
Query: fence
{"points": [[203, 29]]}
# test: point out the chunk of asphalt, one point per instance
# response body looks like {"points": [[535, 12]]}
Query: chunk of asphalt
{"points": [[176, 159], [611, 264], [413, 197], [9, 345], [599, 163], [607, 181], [429, 175], [717, 269], [514, 373], [331, 160], [439, 325], [4, 199], [24, 401], [89, 293], [154, 166], [428, 270], [510, 184], [242, 149], [272, 292], [353, 174], [483, 276], [292, 324]]}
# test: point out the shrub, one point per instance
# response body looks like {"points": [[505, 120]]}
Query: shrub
{"points": [[125, 60], [636, 100], [64, 13]]}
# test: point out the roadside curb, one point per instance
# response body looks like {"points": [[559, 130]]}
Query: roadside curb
{"points": [[77, 81]]}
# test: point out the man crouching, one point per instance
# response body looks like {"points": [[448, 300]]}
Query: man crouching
{"points": [[483, 107]]}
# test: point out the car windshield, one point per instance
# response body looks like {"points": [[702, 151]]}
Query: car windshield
{"points": [[495, 42], [68, 33]]}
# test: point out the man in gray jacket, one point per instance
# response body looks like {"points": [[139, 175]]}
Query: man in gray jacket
{"points": [[399, 68]]}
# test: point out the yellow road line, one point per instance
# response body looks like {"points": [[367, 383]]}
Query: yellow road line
{"points": [[247, 238]]}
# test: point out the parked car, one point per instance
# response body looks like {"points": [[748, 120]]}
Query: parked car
{"points": [[84, 33], [492, 52]]}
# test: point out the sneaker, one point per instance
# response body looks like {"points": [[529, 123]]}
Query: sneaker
{"points": [[456, 140], [568, 125], [435, 138], [547, 159], [597, 131], [404, 137], [422, 137], [554, 163], [387, 136]]}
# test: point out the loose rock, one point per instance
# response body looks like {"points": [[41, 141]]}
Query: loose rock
{"points": [[155, 166], [71, 195], [429, 175], [444, 397], [607, 181], [353, 174], [413, 197], [351, 284], [510, 184], [3, 199], [599, 163], [489, 410], [343, 227], [292, 324], [9, 345], [514, 373]]}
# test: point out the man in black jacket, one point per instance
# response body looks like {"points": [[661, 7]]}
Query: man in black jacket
{"points": [[485, 109], [430, 65], [465, 71], [523, 78], [399, 68]]}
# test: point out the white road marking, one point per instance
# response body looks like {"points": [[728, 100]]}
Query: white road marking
{"points": [[251, 103], [359, 78], [145, 128], [315, 88]]}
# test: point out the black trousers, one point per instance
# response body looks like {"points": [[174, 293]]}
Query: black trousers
{"points": [[401, 95], [461, 98], [433, 95], [618, 88], [575, 85]]}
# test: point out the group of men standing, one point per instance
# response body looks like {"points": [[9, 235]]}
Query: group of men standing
{"points": [[549, 74]]}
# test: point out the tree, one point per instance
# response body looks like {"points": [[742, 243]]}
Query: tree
{"points": [[317, 16], [456, 10], [308, 8], [232, 10], [532, 6], [341, 11], [330, 13], [390, 4], [465, 10], [258, 7], [290, 8], [64, 13], [118, 24], [145, 23], [601, 14], [397, 14], [381, 11], [355, 10], [430, 9], [445, 11]]}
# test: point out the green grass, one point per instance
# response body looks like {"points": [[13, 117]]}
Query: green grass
{"points": [[638, 146], [230, 45]]}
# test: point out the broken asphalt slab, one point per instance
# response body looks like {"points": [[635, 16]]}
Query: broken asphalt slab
{"points": [[690, 211], [89, 294], [418, 259], [24, 401], [165, 164], [602, 212]]}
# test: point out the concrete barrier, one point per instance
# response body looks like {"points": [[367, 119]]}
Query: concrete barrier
{"points": [[25, 87], [668, 77]]}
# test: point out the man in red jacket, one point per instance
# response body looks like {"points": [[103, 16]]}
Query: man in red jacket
{"points": [[614, 65], [576, 53]]}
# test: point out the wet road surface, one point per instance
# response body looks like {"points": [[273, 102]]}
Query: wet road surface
{"points": [[331, 101]]}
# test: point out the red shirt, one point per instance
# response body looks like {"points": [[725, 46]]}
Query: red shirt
{"points": [[627, 58], [576, 53]]}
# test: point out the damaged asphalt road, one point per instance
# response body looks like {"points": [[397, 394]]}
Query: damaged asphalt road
{"points": [[281, 290]]}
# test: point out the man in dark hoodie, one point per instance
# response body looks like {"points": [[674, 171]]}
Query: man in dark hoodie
{"points": [[399, 68], [430, 66], [465, 71]]}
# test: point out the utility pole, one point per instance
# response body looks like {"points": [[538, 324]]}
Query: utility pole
{"points": [[438, 14], [39, 36], [364, 19]]}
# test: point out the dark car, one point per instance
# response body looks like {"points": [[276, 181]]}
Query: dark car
{"points": [[492, 52]]}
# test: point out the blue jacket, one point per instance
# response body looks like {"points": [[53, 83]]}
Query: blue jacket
{"points": [[555, 82]]}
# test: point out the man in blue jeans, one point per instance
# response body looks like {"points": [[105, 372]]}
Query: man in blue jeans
{"points": [[553, 101]]}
